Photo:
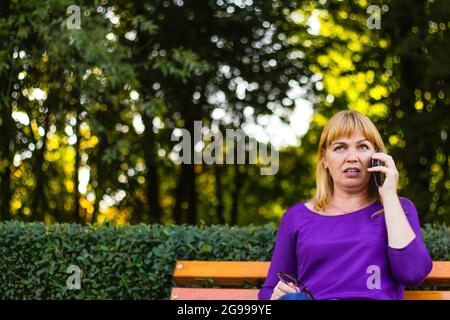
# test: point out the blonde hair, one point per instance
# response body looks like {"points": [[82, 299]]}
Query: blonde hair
{"points": [[343, 124]]}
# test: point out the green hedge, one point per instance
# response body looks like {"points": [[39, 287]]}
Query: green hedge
{"points": [[133, 262]]}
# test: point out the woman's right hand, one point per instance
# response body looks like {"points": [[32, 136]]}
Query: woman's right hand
{"points": [[283, 288]]}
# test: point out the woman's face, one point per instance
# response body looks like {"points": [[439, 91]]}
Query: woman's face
{"points": [[344, 153]]}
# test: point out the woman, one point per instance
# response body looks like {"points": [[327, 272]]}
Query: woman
{"points": [[353, 240]]}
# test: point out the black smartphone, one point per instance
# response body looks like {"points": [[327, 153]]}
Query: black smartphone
{"points": [[377, 176]]}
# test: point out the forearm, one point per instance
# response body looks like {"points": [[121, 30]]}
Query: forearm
{"points": [[400, 233]]}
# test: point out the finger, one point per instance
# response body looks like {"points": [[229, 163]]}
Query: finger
{"points": [[380, 155], [276, 293], [286, 288], [294, 287], [379, 168], [387, 159], [383, 169]]}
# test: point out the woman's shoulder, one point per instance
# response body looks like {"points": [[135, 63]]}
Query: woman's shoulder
{"points": [[407, 205], [296, 210], [406, 200]]}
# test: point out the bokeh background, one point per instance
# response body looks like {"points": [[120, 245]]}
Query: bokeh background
{"points": [[87, 112]]}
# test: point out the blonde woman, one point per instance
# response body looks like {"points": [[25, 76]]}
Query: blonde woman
{"points": [[353, 239]]}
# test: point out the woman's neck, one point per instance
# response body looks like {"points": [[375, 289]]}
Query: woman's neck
{"points": [[349, 203]]}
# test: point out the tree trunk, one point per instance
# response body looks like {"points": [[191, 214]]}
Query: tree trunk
{"points": [[7, 131], [185, 210], [238, 183], [76, 194], [39, 204], [98, 174], [219, 193], [142, 51], [152, 176], [6, 193]]}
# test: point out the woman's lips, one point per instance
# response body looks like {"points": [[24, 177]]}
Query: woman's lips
{"points": [[352, 174]]}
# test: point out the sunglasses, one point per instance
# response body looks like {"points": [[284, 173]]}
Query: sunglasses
{"points": [[286, 277]]}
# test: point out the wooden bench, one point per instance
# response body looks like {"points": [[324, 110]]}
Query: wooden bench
{"points": [[237, 274]]}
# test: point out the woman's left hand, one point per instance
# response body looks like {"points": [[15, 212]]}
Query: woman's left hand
{"points": [[390, 171]]}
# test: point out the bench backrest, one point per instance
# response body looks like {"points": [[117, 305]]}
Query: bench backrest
{"points": [[241, 273]]}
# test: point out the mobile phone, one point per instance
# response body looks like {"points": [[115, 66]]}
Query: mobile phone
{"points": [[377, 176]]}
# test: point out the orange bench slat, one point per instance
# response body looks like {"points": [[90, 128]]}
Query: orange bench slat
{"points": [[440, 274], [427, 295], [222, 272], [249, 272], [213, 294], [252, 294], [241, 272]]}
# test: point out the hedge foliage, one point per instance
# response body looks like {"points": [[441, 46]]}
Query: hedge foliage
{"points": [[132, 262]]}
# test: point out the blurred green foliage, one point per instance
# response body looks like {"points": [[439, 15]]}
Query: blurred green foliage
{"points": [[86, 116]]}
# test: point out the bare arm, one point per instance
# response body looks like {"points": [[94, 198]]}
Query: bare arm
{"points": [[400, 233]]}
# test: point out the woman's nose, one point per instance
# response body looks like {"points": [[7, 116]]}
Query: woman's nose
{"points": [[352, 155]]}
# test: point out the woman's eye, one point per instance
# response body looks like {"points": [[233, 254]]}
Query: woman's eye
{"points": [[362, 146], [365, 146]]}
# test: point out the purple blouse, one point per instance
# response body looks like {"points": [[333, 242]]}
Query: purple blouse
{"points": [[347, 256]]}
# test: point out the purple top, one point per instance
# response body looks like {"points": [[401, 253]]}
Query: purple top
{"points": [[347, 256]]}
